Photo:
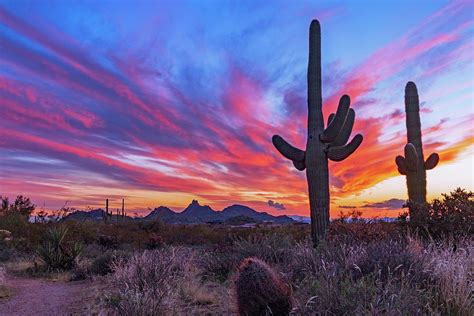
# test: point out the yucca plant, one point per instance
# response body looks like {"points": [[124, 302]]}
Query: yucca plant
{"points": [[56, 253]]}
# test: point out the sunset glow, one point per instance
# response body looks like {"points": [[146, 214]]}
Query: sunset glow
{"points": [[164, 102]]}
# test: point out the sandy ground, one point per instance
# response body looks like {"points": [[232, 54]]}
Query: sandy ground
{"points": [[32, 296]]}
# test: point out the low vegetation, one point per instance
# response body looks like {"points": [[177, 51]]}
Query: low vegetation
{"points": [[418, 266]]}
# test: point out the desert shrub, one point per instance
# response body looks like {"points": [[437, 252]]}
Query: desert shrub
{"points": [[56, 252], [2, 276], [148, 282], [108, 241], [260, 290], [452, 215], [154, 242], [102, 265], [16, 224], [6, 251], [21, 206], [152, 226], [85, 232], [5, 234]]}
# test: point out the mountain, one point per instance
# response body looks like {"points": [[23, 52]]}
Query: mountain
{"points": [[195, 213], [164, 214], [241, 210]]}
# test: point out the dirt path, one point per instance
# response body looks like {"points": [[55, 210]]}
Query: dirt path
{"points": [[43, 297]]}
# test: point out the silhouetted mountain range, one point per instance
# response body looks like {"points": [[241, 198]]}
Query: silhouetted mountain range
{"points": [[193, 214], [196, 213]]}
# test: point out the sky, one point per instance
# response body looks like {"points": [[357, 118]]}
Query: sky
{"points": [[162, 102]]}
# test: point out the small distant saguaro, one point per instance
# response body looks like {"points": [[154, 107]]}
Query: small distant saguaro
{"points": [[106, 210], [413, 165], [322, 143]]}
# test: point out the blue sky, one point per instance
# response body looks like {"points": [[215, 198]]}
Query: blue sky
{"points": [[162, 102]]}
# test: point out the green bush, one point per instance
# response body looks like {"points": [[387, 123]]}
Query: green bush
{"points": [[452, 215]]}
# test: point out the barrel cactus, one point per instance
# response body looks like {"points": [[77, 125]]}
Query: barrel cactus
{"points": [[260, 291], [322, 143], [413, 165]]}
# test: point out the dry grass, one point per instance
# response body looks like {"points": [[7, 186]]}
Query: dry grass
{"points": [[4, 291], [394, 276], [452, 266]]}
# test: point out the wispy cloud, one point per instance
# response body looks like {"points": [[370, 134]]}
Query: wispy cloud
{"points": [[392, 204], [190, 109], [276, 205]]}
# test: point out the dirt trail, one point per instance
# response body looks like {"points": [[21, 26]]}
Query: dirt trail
{"points": [[43, 297]]}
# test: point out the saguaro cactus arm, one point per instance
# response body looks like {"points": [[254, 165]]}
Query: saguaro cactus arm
{"points": [[411, 157], [346, 130], [401, 164], [287, 150], [334, 128], [340, 153], [432, 161]]}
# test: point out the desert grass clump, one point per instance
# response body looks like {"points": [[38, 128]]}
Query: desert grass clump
{"points": [[404, 275], [452, 266], [219, 262], [271, 248], [260, 291], [148, 282], [358, 278]]}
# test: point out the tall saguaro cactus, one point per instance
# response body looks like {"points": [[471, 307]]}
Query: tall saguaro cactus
{"points": [[413, 164], [322, 143]]}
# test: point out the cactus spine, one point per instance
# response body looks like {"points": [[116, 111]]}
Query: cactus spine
{"points": [[260, 291], [322, 143], [413, 164]]}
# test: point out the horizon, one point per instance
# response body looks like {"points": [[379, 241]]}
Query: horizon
{"points": [[175, 103]]}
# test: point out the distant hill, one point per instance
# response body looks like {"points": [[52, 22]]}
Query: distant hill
{"points": [[196, 213], [93, 215]]}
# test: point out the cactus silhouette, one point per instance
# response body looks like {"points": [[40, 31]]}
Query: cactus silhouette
{"points": [[260, 291], [413, 165], [322, 143]]}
